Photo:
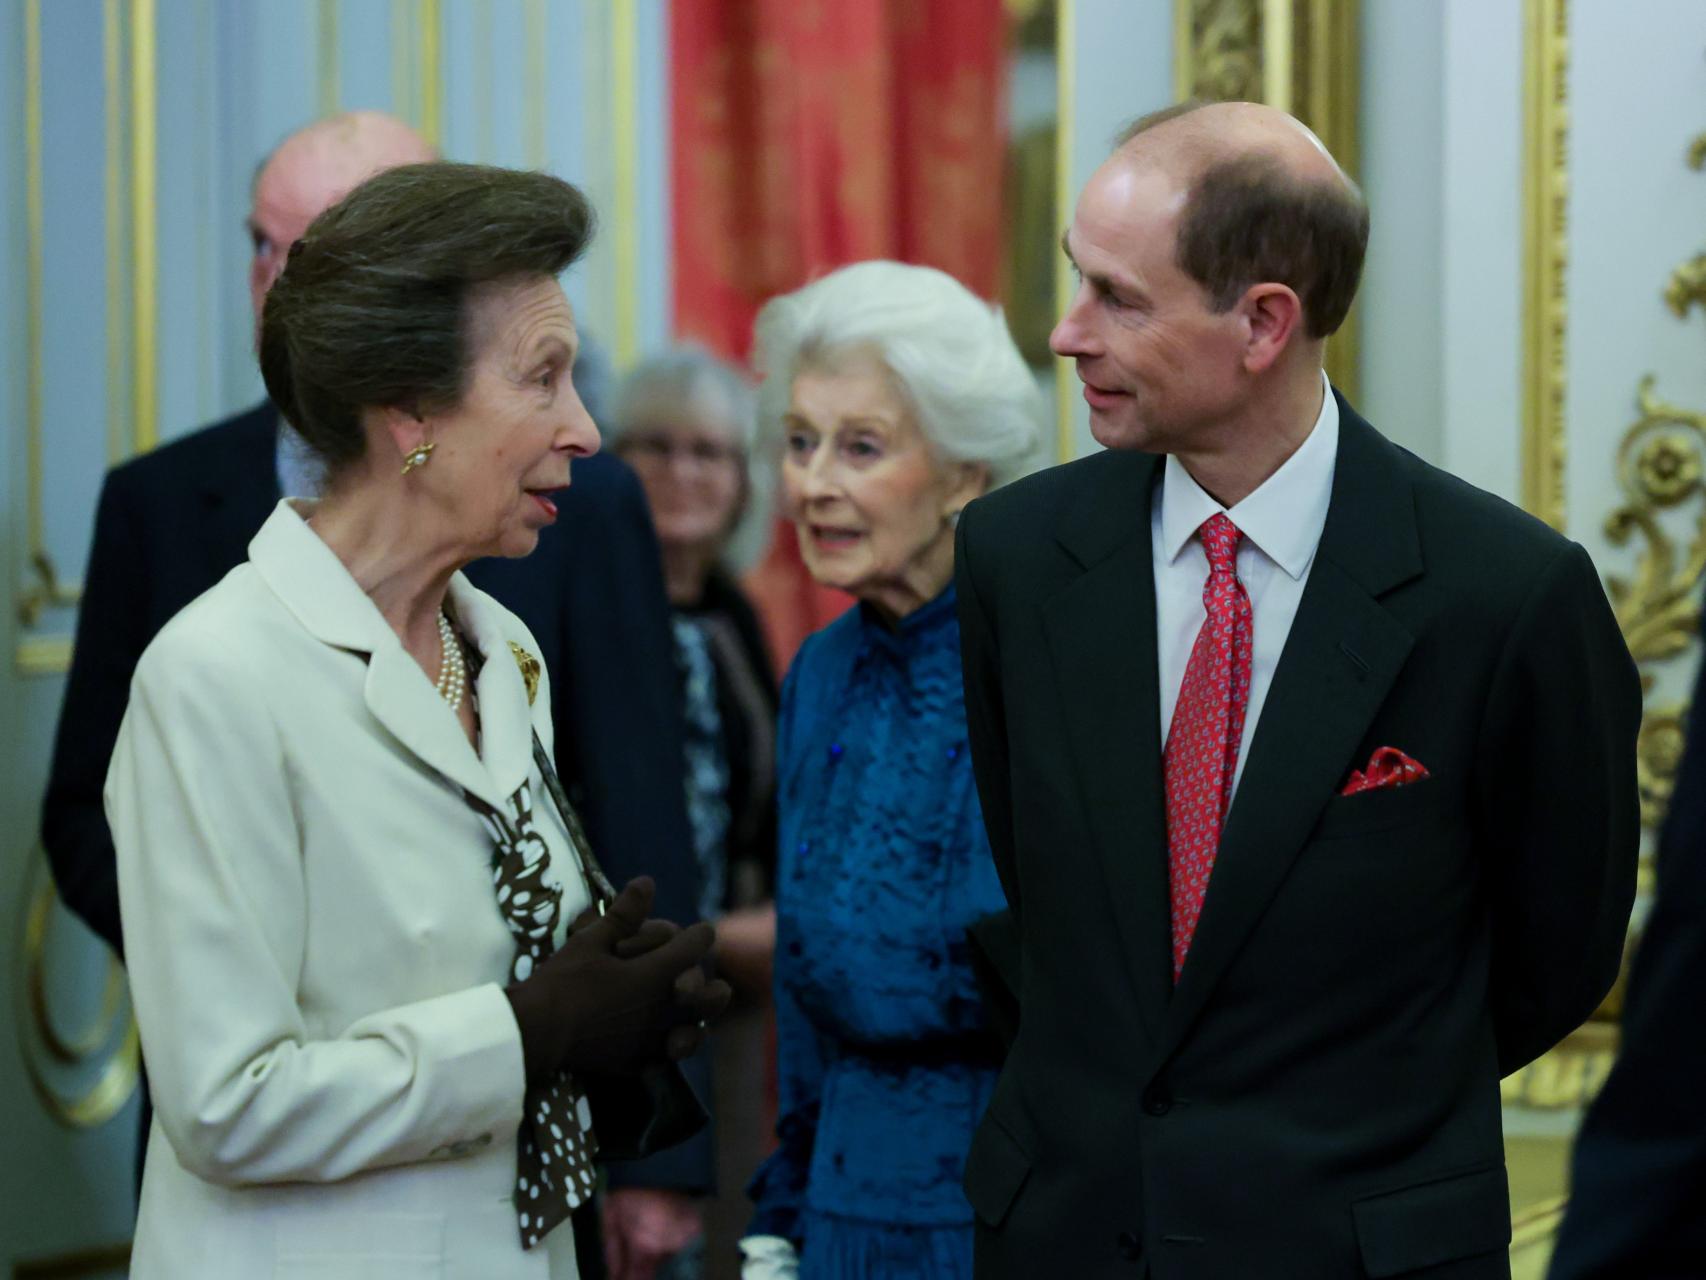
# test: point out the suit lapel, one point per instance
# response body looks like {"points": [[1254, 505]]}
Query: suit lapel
{"points": [[1339, 661], [1101, 636]]}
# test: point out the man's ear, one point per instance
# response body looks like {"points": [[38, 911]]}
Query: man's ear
{"points": [[1273, 319]]}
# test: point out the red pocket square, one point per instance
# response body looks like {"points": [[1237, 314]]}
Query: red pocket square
{"points": [[1387, 767]]}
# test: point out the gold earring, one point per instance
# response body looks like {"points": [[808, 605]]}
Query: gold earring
{"points": [[418, 457]]}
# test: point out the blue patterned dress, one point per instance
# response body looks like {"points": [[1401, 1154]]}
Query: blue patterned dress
{"points": [[886, 1060]]}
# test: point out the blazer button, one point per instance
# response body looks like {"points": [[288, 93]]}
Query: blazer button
{"points": [[1130, 1247], [1156, 1101]]}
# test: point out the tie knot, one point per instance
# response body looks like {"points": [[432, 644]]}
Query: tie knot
{"points": [[1220, 540]]}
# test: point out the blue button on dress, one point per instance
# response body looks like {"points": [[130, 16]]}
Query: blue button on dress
{"points": [[885, 1058]]}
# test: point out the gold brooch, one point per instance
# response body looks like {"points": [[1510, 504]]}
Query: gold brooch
{"points": [[529, 670]]}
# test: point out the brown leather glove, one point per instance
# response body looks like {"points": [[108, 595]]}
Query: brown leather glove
{"points": [[621, 991]]}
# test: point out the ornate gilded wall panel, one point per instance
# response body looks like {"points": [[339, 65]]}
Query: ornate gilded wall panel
{"points": [[1299, 55], [1661, 462]]}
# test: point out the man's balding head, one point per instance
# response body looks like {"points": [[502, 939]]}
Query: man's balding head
{"points": [[1264, 200], [1217, 248], [312, 170]]}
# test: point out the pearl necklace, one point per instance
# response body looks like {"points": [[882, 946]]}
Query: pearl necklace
{"points": [[452, 665]]}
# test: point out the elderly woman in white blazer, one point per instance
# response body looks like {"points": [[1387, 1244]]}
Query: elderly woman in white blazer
{"points": [[346, 877]]}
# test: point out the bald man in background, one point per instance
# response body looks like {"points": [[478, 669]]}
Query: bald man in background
{"points": [[172, 523], [1308, 769]]}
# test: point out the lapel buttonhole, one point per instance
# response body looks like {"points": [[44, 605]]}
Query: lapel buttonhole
{"points": [[1356, 660]]}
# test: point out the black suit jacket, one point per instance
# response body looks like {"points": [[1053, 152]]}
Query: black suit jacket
{"points": [[1318, 1096], [173, 522], [1638, 1183]]}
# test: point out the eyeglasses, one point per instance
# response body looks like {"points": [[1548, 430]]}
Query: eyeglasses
{"points": [[662, 450]]}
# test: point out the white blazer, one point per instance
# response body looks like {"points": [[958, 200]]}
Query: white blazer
{"points": [[316, 953]]}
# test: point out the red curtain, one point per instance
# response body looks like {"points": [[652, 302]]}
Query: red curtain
{"points": [[807, 134]]}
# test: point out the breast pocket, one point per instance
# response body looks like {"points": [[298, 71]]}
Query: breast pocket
{"points": [[367, 1246], [1381, 809]]}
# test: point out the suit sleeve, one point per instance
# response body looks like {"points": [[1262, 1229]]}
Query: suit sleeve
{"points": [[1557, 814], [216, 921], [618, 711], [986, 723], [111, 635]]}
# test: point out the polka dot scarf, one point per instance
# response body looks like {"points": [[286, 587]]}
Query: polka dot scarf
{"points": [[555, 1146]]}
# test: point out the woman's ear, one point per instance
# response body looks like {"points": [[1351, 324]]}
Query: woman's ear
{"points": [[966, 480], [403, 427]]}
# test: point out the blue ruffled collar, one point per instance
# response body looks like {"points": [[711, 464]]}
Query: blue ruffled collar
{"points": [[920, 629]]}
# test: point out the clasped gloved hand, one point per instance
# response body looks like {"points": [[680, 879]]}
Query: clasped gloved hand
{"points": [[620, 992]]}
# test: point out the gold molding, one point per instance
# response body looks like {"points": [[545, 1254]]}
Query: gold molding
{"points": [[1537, 1222], [431, 47], [624, 139], [145, 245], [1569, 1075], [1302, 56], [46, 590], [534, 147], [328, 57], [1065, 196], [403, 65], [480, 54], [112, 75], [114, 1026], [1545, 251], [38, 656], [35, 254]]}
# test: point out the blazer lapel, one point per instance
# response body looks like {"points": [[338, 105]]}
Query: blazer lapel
{"points": [[1101, 635], [313, 584], [506, 724], [1339, 661]]}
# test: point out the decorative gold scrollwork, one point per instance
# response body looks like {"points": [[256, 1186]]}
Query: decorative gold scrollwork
{"points": [[1661, 465], [1687, 287], [1697, 153], [110, 1041], [48, 591], [1225, 43]]}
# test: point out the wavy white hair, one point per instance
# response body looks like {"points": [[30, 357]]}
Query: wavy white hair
{"points": [[688, 383], [975, 398]]}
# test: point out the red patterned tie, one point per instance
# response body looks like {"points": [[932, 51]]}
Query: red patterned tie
{"points": [[1208, 723]]}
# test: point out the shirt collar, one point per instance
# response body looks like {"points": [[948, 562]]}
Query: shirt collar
{"points": [[1286, 513]]}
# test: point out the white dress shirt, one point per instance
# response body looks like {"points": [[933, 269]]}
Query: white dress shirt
{"points": [[1281, 523]]}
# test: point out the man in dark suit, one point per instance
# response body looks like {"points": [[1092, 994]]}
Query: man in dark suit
{"points": [[1308, 769], [1638, 1179], [173, 522]]}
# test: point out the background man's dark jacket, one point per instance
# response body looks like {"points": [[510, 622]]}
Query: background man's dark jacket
{"points": [[1638, 1184]]}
